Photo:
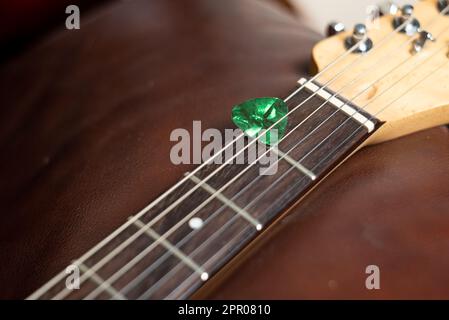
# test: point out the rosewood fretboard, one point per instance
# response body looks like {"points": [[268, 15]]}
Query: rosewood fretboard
{"points": [[158, 254]]}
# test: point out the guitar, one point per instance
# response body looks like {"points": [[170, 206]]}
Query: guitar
{"points": [[371, 86]]}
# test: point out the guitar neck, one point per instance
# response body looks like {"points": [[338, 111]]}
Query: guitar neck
{"points": [[173, 246]]}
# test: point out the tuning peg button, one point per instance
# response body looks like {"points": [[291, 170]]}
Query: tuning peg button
{"points": [[334, 27], [407, 10], [412, 26], [359, 36], [421, 41], [388, 8]]}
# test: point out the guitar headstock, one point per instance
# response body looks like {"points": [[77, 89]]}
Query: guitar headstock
{"points": [[403, 79]]}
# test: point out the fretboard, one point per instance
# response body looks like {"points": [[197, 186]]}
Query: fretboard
{"points": [[171, 248]]}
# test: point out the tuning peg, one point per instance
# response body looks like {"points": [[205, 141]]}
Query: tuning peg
{"points": [[334, 27], [360, 31], [442, 5], [388, 8], [412, 26], [359, 36], [407, 10], [420, 42]]}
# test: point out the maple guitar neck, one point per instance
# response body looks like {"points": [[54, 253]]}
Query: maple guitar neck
{"points": [[160, 254]]}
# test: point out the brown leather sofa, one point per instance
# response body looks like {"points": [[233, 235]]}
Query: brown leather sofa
{"points": [[85, 123]]}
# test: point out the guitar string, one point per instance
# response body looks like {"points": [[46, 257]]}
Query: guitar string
{"points": [[247, 228], [116, 275], [57, 278], [335, 130]]}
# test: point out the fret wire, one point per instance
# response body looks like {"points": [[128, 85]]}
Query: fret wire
{"points": [[229, 203], [102, 243], [106, 286], [372, 117], [175, 251], [103, 261], [152, 289], [294, 163]]}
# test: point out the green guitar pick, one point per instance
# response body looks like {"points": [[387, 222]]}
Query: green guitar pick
{"points": [[256, 115]]}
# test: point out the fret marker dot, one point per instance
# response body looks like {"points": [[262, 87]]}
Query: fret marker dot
{"points": [[195, 223], [204, 276], [259, 227]]}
